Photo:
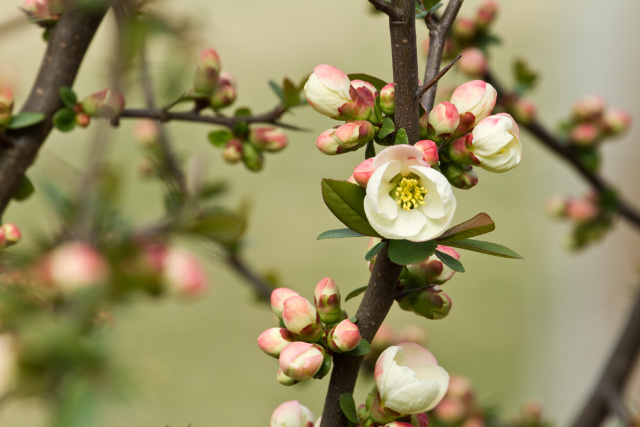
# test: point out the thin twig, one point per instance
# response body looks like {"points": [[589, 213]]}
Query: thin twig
{"points": [[386, 8], [437, 77], [406, 292], [261, 287]]}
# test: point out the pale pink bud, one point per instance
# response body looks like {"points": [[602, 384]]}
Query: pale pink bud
{"points": [[75, 265], [301, 319], [145, 132], [475, 97], [486, 13], [6, 105], [83, 120], [223, 96], [463, 28], [328, 89], [273, 340], [12, 233], [291, 414], [227, 79], [353, 135], [588, 108], [362, 84], [285, 380], [104, 103], [207, 71], [444, 119], [43, 12], [345, 336], [582, 210], [616, 121], [556, 206], [278, 297], [585, 135], [328, 144], [450, 410], [388, 99], [183, 272], [473, 62], [268, 139], [460, 389], [327, 300], [429, 151], [301, 360], [524, 111], [363, 172], [233, 151]]}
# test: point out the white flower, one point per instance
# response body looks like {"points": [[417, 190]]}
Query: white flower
{"points": [[496, 143], [409, 379], [475, 97], [327, 90], [405, 198], [292, 414]]}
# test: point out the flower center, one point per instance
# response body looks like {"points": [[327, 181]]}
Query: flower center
{"points": [[409, 194]]}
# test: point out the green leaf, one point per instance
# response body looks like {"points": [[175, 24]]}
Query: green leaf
{"points": [[405, 252], [525, 77], [435, 7], [219, 138], [338, 234], [241, 128], [25, 189], [291, 94], [428, 4], [377, 110], [361, 349], [325, 368], [348, 406], [374, 251], [476, 226], [370, 151], [23, 120], [450, 261], [68, 97], [378, 83], [64, 120], [274, 86], [219, 226], [354, 293], [401, 137], [386, 128], [484, 248], [346, 201]]}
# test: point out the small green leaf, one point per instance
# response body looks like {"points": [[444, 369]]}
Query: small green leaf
{"points": [[377, 110], [325, 368], [354, 319], [361, 349], [64, 120], [386, 128], [401, 137], [220, 226], [374, 251], [435, 7], [370, 151], [378, 83], [346, 201], [348, 406], [282, 325], [428, 4], [525, 77], [241, 128], [291, 94], [339, 234], [488, 248], [450, 261], [23, 120], [274, 86], [405, 252], [219, 138], [354, 293], [476, 226], [68, 97], [25, 189]]}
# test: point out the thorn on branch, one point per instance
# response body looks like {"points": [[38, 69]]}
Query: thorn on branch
{"points": [[435, 79]]}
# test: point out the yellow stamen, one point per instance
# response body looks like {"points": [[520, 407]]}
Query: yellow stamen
{"points": [[409, 194]]}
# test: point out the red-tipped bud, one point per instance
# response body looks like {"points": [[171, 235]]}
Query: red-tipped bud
{"points": [[300, 360], [105, 103], [74, 266], [486, 13], [206, 77], [83, 120], [388, 99], [585, 135], [291, 414], [278, 297], [43, 12], [463, 28], [353, 135], [357, 84], [232, 152], [345, 336], [268, 139], [473, 62], [460, 151], [432, 270], [460, 176], [327, 143], [616, 121], [582, 210], [274, 340], [419, 420], [524, 111], [590, 107], [327, 300], [225, 94], [183, 273], [444, 120], [429, 151], [146, 133], [12, 234], [398, 424], [6, 105], [363, 172], [301, 319], [432, 304]]}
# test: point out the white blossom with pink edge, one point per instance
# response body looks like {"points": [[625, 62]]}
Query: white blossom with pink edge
{"points": [[496, 143], [291, 414], [475, 97], [327, 90], [409, 379], [406, 199]]}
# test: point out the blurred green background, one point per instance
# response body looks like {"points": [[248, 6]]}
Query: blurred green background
{"points": [[538, 328]]}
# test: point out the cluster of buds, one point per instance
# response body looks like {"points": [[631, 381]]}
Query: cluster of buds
{"points": [[250, 147], [45, 13], [6, 106], [310, 333], [590, 216], [107, 103], [212, 86]]}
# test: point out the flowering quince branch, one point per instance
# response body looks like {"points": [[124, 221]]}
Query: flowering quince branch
{"points": [[425, 87]]}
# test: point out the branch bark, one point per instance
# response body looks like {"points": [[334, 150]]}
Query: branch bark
{"points": [[67, 46]]}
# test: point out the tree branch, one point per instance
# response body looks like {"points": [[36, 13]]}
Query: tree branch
{"points": [[386, 8], [67, 46], [435, 79], [260, 286]]}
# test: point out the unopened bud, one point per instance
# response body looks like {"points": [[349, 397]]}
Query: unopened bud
{"points": [[582, 210], [460, 151], [345, 336], [398, 424], [6, 105], [274, 340], [463, 28], [327, 300], [278, 297], [363, 172], [524, 111], [388, 99], [146, 133], [74, 266], [357, 84], [476, 98], [232, 152], [589, 108], [105, 103], [285, 380], [327, 143], [353, 135], [429, 151], [83, 120], [585, 135], [419, 420], [12, 234], [301, 319], [43, 12], [444, 120], [183, 272], [486, 14], [206, 78], [291, 414], [473, 62], [460, 176], [268, 139], [450, 411], [432, 304], [223, 96], [616, 121], [300, 360], [252, 157]]}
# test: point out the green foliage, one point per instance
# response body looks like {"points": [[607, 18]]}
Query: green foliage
{"points": [[524, 76], [401, 137], [370, 151], [405, 252], [68, 97], [484, 248], [241, 128], [376, 82], [338, 234], [26, 119], [291, 94], [476, 226], [386, 128], [346, 201], [348, 406], [374, 251], [450, 261], [25, 189], [219, 138], [277, 90], [325, 368], [354, 293], [363, 348], [64, 120]]}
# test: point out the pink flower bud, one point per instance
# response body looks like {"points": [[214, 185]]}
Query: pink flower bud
{"points": [[273, 340], [429, 151], [388, 99], [83, 120], [450, 411], [463, 28], [278, 297], [460, 151], [582, 210], [268, 139], [12, 233], [227, 79], [105, 103], [444, 119], [301, 319], [328, 89], [183, 272], [486, 13], [353, 135], [345, 336], [232, 152], [43, 12], [357, 84], [363, 172], [589, 108], [145, 132], [475, 97], [585, 135], [460, 176], [285, 380], [616, 121], [301, 360], [435, 270], [224, 95], [207, 72], [460, 389], [473, 62], [398, 424], [291, 414], [351, 179], [327, 300], [524, 111], [74, 265], [327, 143]]}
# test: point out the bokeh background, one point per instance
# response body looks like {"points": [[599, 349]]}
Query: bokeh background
{"points": [[539, 328]]}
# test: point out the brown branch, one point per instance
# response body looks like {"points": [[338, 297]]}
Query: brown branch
{"points": [[261, 287], [386, 8], [437, 77], [438, 29], [67, 46]]}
